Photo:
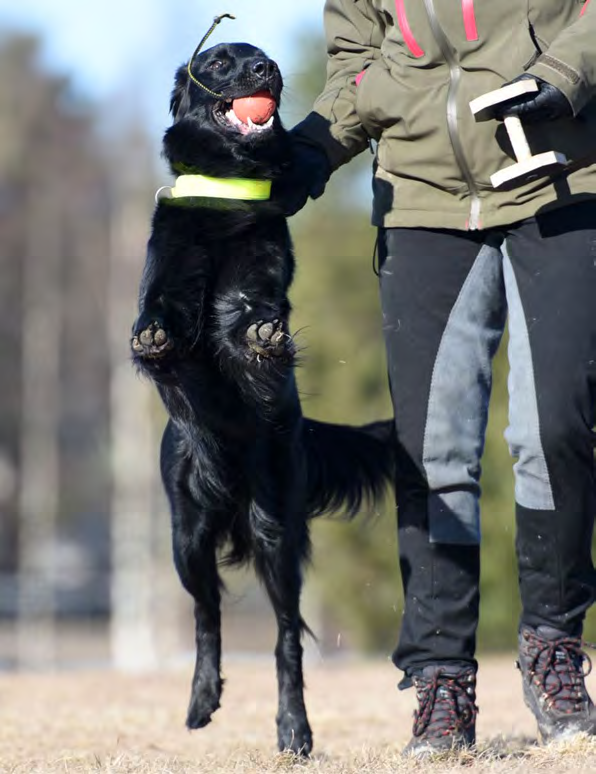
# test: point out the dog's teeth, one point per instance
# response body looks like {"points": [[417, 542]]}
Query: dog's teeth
{"points": [[233, 118], [249, 126]]}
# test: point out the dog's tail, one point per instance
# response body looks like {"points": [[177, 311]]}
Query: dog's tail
{"points": [[348, 467]]}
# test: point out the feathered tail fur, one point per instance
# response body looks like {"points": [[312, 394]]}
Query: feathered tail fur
{"points": [[347, 466]]}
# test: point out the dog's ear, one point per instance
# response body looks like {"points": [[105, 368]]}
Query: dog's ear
{"points": [[179, 101]]}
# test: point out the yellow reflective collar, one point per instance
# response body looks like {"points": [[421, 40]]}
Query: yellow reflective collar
{"points": [[187, 186]]}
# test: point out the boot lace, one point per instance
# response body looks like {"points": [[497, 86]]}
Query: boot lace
{"points": [[559, 668], [446, 704]]}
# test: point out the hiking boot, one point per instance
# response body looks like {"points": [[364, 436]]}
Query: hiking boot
{"points": [[446, 716], [552, 667]]}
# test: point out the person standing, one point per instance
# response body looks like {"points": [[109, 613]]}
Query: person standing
{"points": [[457, 259]]}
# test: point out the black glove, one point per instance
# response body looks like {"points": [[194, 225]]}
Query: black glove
{"points": [[306, 177], [546, 104]]}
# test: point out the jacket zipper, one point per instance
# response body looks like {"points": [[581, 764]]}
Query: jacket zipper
{"points": [[473, 222]]}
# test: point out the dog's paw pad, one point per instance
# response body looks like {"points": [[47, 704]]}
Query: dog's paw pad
{"points": [[268, 338], [266, 330], [152, 341], [252, 333]]}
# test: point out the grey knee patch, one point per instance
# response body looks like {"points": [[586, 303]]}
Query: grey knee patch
{"points": [[532, 481], [458, 402]]}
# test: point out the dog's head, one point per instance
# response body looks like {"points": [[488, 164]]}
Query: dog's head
{"points": [[207, 134]]}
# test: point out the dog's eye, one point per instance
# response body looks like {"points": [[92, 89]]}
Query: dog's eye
{"points": [[216, 64]]}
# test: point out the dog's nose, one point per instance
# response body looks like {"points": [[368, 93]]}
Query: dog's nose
{"points": [[263, 68]]}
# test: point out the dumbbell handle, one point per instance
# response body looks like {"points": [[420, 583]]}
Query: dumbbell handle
{"points": [[518, 138]]}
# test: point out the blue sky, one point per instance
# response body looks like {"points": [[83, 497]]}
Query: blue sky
{"points": [[111, 46]]}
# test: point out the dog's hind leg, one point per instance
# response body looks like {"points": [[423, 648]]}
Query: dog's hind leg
{"points": [[278, 557], [194, 544], [195, 561], [206, 682]]}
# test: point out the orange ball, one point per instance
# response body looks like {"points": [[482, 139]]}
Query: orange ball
{"points": [[258, 107]]}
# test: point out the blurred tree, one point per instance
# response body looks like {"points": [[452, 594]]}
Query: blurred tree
{"points": [[64, 195], [53, 216], [134, 445]]}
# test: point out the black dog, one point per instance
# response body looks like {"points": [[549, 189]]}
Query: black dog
{"points": [[242, 468]]}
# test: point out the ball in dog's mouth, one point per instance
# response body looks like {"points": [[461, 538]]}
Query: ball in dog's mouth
{"points": [[257, 108], [253, 113]]}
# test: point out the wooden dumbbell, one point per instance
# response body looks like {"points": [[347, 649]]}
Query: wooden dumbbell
{"points": [[528, 167]]}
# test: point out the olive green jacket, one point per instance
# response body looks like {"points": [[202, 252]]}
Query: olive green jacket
{"points": [[403, 72]]}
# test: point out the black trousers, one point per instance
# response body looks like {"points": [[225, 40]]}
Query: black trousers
{"points": [[446, 296]]}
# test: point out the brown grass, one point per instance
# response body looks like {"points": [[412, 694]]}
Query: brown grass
{"points": [[107, 722]]}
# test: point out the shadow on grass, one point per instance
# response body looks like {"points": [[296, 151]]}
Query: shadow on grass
{"points": [[500, 747]]}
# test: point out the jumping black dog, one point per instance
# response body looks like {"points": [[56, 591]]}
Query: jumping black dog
{"points": [[244, 471]]}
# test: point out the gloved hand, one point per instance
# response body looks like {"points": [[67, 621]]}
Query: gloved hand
{"points": [[546, 104], [306, 177]]}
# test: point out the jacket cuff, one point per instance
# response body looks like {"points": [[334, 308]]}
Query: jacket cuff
{"points": [[565, 78], [316, 131]]}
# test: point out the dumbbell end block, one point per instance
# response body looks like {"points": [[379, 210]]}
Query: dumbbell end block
{"points": [[483, 107], [529, 169]]}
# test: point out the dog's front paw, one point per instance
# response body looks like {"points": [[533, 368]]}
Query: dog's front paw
{"points": [[269, 339], [151, 341]]}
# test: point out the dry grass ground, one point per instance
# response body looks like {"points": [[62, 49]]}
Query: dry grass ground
{"points": [[106, 722]]}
